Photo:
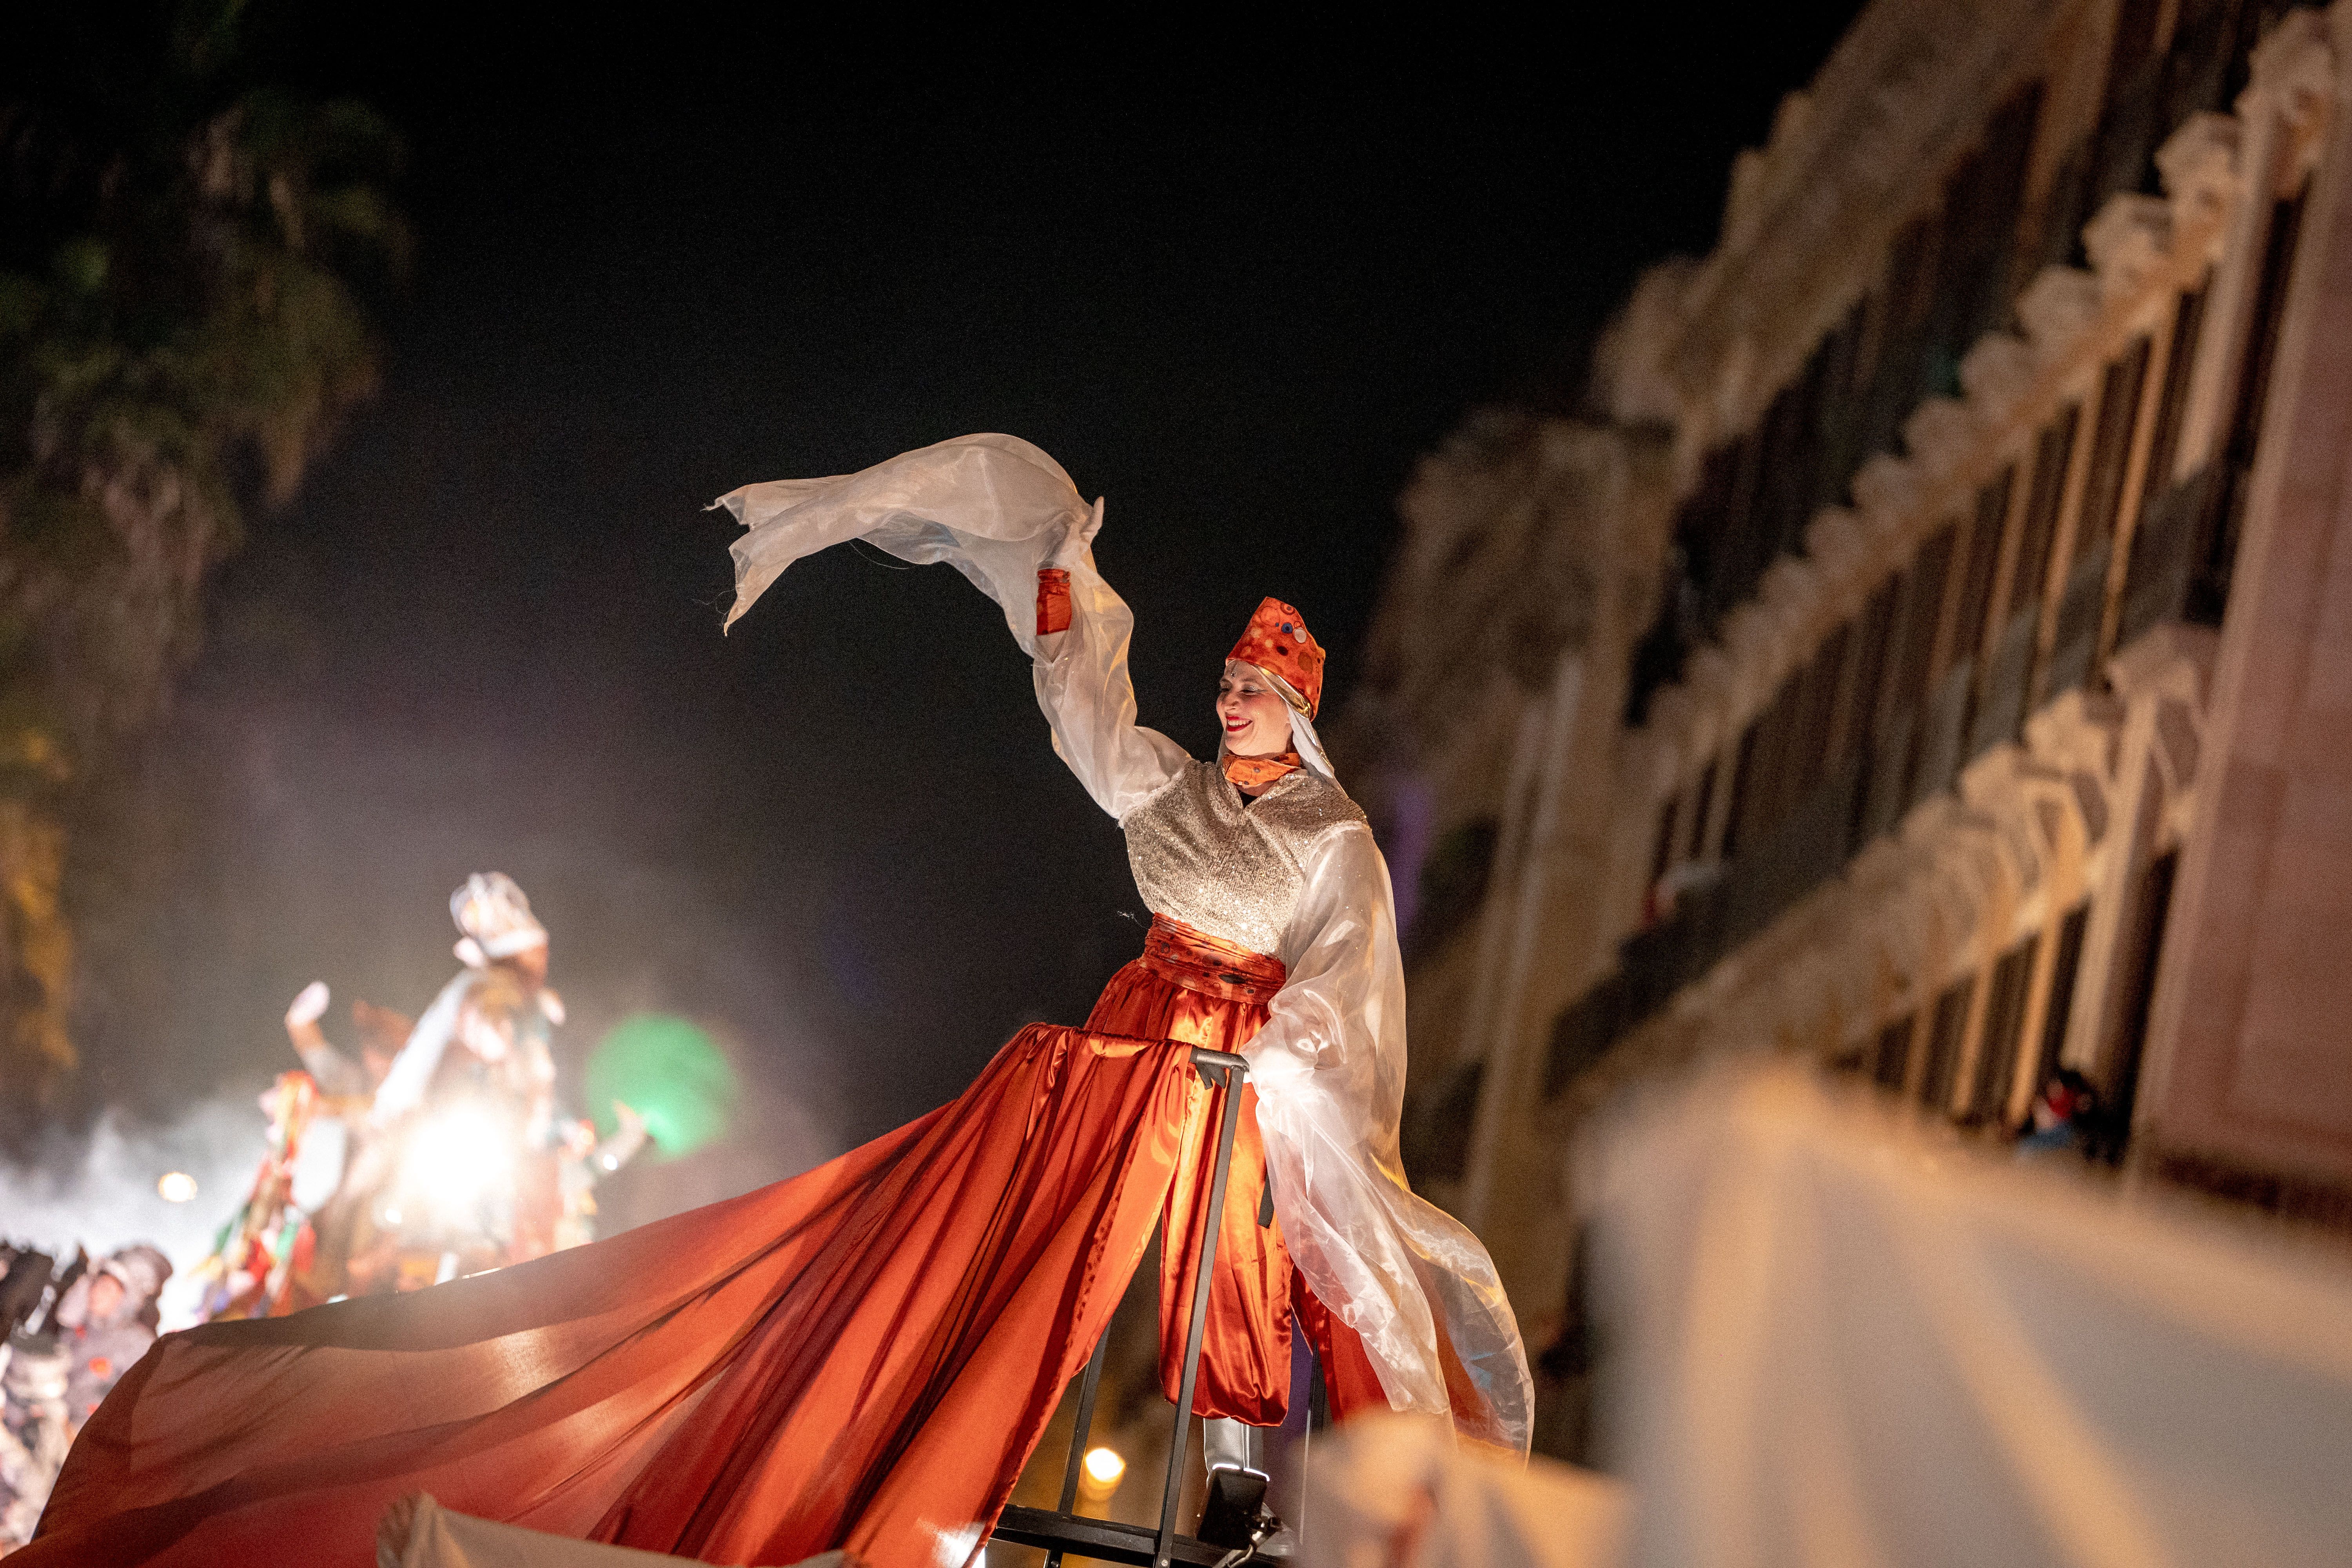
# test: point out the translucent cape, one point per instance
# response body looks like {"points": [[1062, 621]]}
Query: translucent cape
{"points": [[1329, 1064], [995, 508], [1011, 504]]}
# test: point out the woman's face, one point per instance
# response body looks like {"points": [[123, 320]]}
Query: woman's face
{"points": [[1256, 720]]}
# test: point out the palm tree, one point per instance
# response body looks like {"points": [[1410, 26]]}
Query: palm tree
{"points": [[183, 251]]}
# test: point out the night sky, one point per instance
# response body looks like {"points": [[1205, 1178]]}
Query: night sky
{"points": [[1235, 284]]}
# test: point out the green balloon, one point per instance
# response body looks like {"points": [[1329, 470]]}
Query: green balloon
{"points": [[668, 1071]]}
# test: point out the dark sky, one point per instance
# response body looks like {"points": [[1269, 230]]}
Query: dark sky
{"points": [[1237, 285]]}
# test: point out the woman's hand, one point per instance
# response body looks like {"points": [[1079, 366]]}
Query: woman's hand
{"points": [[1077, 538]]}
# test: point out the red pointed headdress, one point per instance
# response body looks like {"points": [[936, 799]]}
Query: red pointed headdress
{"points": [[1277, 640]]}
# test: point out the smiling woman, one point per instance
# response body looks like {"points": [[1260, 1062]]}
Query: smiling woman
{"points": [[863, 1357], [1254, 716]]}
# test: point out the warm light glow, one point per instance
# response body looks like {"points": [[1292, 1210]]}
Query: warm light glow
{"points": [[175, 1186], [1104, 1467], [456, 1160]]}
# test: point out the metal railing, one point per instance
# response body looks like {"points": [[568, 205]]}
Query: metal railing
{"points": [[1064, 1530]]}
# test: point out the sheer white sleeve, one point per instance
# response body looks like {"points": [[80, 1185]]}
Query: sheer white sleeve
{"points": [[1329, 1070], [997, 509]]}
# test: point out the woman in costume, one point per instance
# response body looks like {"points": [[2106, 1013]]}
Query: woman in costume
{"points": [[863, 1356]]}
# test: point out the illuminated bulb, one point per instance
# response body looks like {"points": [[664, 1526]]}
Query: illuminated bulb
{"points": [[175, 1186], [456, 1160], [1104, 1467], [612, 1162]]}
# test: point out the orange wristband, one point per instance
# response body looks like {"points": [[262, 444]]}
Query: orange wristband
{"points": [[1052, 601]]}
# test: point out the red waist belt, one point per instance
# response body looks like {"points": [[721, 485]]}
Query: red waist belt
{"points": [[1209, 965]]}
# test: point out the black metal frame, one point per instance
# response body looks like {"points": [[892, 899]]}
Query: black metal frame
{"points": [[1063, 1530]]}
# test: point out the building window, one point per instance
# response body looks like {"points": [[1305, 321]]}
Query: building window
{"points": [[1435, 1142], [2004, 1028], [2000, 701], [1944, 1039], [2065, 971], [2083, 599], [2209, 591], [2179, 356], [2160, 559], [2119, 1074], [1701, 804], [1906, 673], [1890, 1054], [1869, 667], [1453, 883], [2119, 402]]}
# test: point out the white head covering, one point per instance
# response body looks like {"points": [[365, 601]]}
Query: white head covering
{"points": [[494, 913], [1310, 746]]}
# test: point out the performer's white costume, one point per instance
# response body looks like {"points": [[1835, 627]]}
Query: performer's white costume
{"points": [[1329, 1064]]}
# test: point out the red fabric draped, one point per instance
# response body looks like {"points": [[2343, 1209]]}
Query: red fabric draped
{"points": [[862, 1356]]}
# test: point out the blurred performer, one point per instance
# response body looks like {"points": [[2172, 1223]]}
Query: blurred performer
{"points": [[465, 1118], [35, 1433], [110, 1326], [267, 1242], [339, 1155], [863, 1356]]}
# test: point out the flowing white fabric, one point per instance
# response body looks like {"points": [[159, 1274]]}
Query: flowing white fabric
{"points": [[1835, 1337], [411, 1074], [1329, 1064]]}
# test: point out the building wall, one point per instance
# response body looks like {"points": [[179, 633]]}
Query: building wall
{"points": [[1965, 688]]}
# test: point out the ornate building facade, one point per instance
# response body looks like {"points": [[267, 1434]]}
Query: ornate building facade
{"points": [[1932, 650]]}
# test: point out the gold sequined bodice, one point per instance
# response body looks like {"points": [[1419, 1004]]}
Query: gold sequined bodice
{"points": [[1231, 868]]}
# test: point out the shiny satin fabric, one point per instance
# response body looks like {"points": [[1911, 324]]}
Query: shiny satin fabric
{"points": [[862, 1356], [1194, 987]]}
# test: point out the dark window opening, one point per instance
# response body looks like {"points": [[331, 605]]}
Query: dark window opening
{"points": [[2179, 357], [2210, 592], [1435, 1142], [1453, 883], [1662, 857], [1985, 531], [2119, 400], [2004, 1027], [2119, 1078], [2063, 972], [1890, 1055], [2053, 450], [1923, 608], [1700, 805], [1743, 770], [1869, 667], [1943, 1035]]}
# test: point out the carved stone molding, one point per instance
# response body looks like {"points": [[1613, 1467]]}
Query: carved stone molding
{"points": [[1939, 436], [1996, 373], [2198, 167], [2129, 241], [2057, 308], [1886, 489], [2294, 68]]}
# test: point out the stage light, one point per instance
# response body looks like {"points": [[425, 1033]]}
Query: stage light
{"points": [[1103, 1467], [175, 1186], [458, 1159]]}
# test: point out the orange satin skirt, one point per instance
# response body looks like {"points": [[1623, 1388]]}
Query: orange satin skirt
{"points": [[863, 1356], [1196, 988]]}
